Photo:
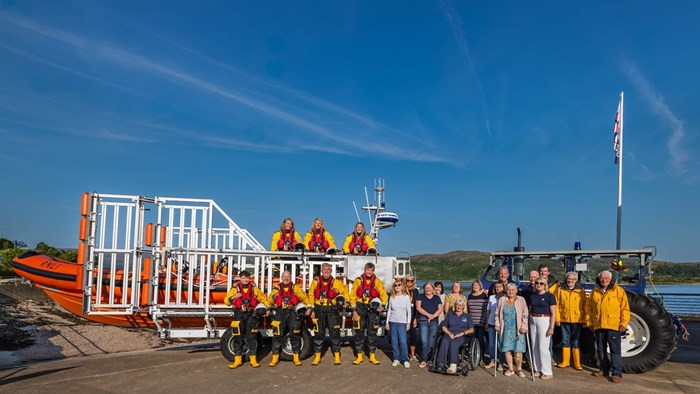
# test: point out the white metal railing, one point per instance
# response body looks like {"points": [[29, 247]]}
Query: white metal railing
{"points": [[173, 257]]}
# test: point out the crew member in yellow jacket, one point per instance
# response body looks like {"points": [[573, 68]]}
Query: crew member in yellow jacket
{"points": [[290, 301], [244, 297], [608, 313], [318, 239], [358, 242], [327, 295], [286, 238], [367, 299], [571, 314]]}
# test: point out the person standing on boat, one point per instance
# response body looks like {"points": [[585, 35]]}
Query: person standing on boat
{"points": [[367, 299], [607, 314], [244, 297], [286, 238], [324, 294], [286, 297], [318, 239], [358, 242]]}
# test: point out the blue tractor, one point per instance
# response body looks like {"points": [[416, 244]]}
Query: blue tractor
{"points": [[652, 331]]}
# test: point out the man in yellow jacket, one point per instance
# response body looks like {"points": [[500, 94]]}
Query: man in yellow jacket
{"points": [[571, 314], [607, 313], [365, 315], [324, 293], [244, 296], [285, 297]]}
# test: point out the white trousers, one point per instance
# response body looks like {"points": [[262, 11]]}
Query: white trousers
{"points": [[541, 358]]}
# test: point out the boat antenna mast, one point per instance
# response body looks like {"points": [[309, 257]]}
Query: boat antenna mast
{"points": [[378, 217]]}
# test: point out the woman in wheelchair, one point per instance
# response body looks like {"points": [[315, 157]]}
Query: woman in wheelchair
{"points": [[457, 329]]}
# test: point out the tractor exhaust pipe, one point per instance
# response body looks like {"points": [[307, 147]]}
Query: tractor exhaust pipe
{"points": [[518, 261]]}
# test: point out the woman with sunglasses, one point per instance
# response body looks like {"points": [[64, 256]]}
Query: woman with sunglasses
{"points": [[398, 321], [412, 335], [543, 310]]}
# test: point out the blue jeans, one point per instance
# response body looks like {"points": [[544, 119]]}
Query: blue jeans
{"points": [[428, 331], [399, 346], [492, 346], [612, 338], [570, 333]]}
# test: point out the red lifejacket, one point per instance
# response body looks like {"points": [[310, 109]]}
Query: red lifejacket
{"points": [[367, 290], [358, 244], [286, 298], [286, 240], [318, 241], [322, 292], [248, 301]]}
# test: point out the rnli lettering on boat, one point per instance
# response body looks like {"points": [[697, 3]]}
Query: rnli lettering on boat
{"points": [[50, 265]]}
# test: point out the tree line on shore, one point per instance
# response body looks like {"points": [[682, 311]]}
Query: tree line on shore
{"points": [[468, 265], [456, 265], [9, 249]]}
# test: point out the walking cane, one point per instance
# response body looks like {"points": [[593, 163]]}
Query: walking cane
{"points": [[532, 358], [495, 357]]}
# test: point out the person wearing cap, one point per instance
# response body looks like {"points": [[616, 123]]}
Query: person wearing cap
{"points": [[358, 242], [245, 297], [607, 314], [286, 298], [286, 238], [366, 299], [324, 293], [412, 334], [318, 239]]}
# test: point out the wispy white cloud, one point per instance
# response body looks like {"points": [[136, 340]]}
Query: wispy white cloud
{"points": [[455, 21], [375, 138], [674, 145]]}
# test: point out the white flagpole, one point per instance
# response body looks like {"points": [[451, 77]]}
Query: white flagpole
{"points": [[619, 172]]}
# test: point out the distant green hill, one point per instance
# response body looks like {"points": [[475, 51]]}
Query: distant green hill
{"points": [[460, 264], [467, 265]]}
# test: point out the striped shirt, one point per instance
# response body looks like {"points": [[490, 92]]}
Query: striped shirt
{"points": [[477, 306]]}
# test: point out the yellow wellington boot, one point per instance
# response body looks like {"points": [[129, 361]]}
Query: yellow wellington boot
{"points": [[297, 362], [317, 359], [577, 359], [237, 362], [358, 360], [275, 360], [565, 357], [254, 361], [373, 359], [336, 358]]}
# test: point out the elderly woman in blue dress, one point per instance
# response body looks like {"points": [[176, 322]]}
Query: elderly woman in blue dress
{"points": [[511, 326], [457, 325]]}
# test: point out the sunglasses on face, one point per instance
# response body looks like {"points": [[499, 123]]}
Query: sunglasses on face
{"points": [[397, 285], [539, 283], [409, 280]]}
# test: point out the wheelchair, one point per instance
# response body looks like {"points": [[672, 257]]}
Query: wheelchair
{"points": [[469, 356]]}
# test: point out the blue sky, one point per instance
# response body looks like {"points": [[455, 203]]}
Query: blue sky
{"points": [[481, 116]]}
